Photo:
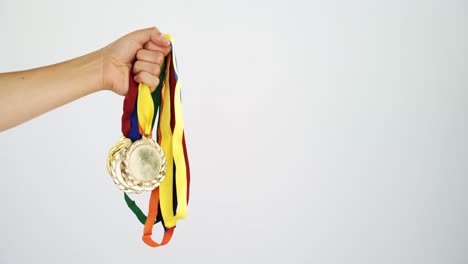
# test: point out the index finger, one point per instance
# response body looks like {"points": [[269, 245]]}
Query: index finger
{"points": [[150, 45]]}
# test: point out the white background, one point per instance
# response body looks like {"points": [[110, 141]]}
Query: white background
{"points": [[318, 132]]}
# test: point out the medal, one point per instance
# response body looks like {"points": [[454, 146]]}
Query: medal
{"points": [[136, 167], [140, 163]]}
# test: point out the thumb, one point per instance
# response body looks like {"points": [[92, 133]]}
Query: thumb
{"points": [[143, 36]]}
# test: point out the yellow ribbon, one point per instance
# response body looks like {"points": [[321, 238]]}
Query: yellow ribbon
{"points": [[172, 146], [177, 147], [171, 142], [145, 108], [165, 189]]}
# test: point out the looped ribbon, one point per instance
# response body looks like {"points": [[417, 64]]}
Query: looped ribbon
{"points": [[168, 202]]}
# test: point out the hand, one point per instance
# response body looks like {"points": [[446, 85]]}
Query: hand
{"points": [[45, 88], [142, 52]]}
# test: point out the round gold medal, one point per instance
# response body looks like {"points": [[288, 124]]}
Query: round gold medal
{"points": [[137, 167]]}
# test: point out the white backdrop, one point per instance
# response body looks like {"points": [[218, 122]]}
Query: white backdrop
{"points": [[318, 132]]}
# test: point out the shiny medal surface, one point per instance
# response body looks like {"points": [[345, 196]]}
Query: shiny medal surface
{"points": [[136, 167]]}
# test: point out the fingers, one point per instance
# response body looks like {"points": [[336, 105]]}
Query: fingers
{"points": [[150, 56], [147, 68], [147, 78], [143, 66], [160, 40], [144, 35], [150, 45]]}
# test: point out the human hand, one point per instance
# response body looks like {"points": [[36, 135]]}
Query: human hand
{"points": [[141, 52], [49, 87]]}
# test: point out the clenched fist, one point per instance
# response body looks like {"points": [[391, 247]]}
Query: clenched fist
{"points": [[141, 52]]}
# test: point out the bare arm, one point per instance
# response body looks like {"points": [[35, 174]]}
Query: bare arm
{"points": [[28, 94]]}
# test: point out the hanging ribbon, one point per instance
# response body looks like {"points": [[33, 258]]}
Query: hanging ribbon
{"points": [[168, 202], [172, 141], [143, 105], [145, 109]]}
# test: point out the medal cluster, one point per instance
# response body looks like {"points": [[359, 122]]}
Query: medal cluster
{"points": [[136, 167], [138, 163]]}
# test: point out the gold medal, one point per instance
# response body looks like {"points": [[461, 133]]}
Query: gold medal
{"points": [[136, 167]]}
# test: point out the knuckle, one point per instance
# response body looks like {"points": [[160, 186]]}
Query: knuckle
{"points": [[140, 54], [149, 79], [137, 67], [148, 45], [155, 29], [137, 77], [158, 57], [157, 70], [161, 58]]}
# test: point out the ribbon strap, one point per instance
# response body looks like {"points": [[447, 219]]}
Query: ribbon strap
{"points": [[177, 144], [172, 140], [152, 214], [169, 201], [166, 186], [145, 109]]}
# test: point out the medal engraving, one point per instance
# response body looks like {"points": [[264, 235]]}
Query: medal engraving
{"points": [[145, 162]]}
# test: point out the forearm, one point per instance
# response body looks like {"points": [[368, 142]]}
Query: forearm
{"points": [[28, 94]]}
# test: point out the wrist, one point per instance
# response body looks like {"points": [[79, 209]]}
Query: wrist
{"points": [[91, 71]]}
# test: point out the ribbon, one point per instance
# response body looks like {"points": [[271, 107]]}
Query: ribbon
{"points": [[168, 203], [172, 129], [140, 103]]}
